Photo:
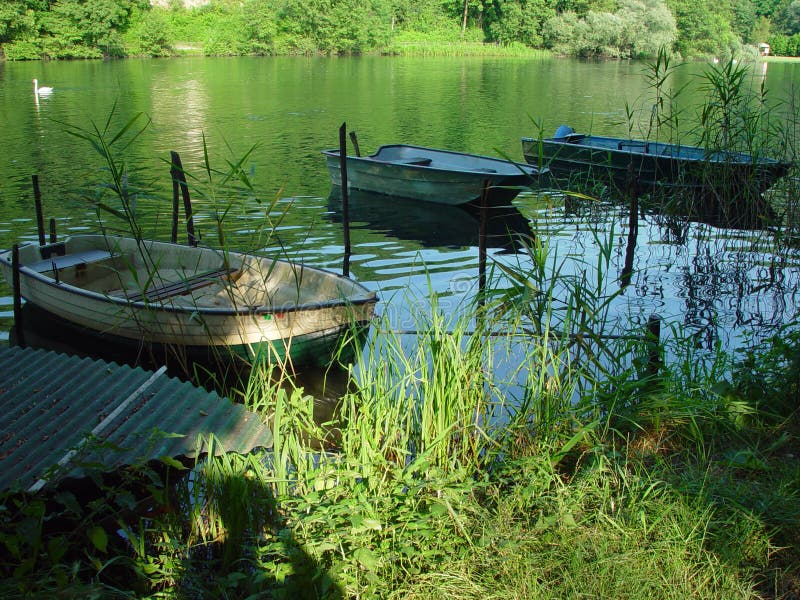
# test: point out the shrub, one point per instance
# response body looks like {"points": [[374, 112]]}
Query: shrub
{"points": [[23, 50], [149, 36]]}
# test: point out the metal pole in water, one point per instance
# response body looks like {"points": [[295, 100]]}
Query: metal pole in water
{"points": [[37, 199], [53, 237], [345, 199]]}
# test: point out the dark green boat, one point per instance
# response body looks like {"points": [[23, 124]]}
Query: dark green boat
{"points": [[649, 165]]}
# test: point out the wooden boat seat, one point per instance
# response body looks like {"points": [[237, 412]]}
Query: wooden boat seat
{"points": [[634, 143], [419, 162], [70, 260], [184, 286]]}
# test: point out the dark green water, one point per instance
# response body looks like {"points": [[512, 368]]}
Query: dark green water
{"points": [[717, 282]]}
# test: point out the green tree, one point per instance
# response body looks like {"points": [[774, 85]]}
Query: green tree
{"points": [[19, 35], [649, 26], [767, 8], [437, 21], [761, 30], [148, 34], [85, 28], [260, 26], [582, 7], [703, 29], [13, 19], [743, 19], [790, 18], [333, 26], [639, 28], [519, 21]]}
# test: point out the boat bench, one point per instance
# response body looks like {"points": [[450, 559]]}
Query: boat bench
{"points": [[62, 261], [634, 144], [184, 286], [419, 161]]}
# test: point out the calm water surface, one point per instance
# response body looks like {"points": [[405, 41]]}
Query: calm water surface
{"points": [[721, 284]]}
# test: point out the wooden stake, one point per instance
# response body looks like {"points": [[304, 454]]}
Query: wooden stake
{"points": [[654, 344], [482, 228], [345, 198], [175, 200], [37, 199], [17, 297], [179, 181]]}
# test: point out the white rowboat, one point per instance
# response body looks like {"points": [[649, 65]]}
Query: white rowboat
{"points": [[160, 293]]}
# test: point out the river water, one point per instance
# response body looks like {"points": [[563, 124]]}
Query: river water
{"points": [[721, 285]]}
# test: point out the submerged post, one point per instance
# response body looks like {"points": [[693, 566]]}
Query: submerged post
{"points": [[17, 296], [482, 227], [630, 249], [345, 199], [653, 338], [632, 192], [179, 181], [37, 199]]}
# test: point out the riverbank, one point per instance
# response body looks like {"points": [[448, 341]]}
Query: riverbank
{"points": [[415, 48], [674, 485]]}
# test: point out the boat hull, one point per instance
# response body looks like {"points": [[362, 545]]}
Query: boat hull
{"points": [[649, 165], [430, 175], [266, 311]]}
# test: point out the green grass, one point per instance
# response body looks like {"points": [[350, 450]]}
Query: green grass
{"points": [[421, 48]]}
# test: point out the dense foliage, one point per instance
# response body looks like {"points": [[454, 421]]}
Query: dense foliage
{"points": [[33, 29]]}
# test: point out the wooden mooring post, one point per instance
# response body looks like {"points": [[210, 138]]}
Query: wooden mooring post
{"points": [[37, 199], [345, 199], [179, 183], [482, 229], [17, 296], [653, 338]]}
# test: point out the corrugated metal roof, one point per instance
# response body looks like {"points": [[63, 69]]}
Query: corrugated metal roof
{"points": [[52, 404]]}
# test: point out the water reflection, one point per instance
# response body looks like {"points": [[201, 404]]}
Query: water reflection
{"points": [[431, 225]]}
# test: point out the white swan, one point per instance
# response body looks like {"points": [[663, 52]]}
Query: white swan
{"points": [[41, 91]]}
